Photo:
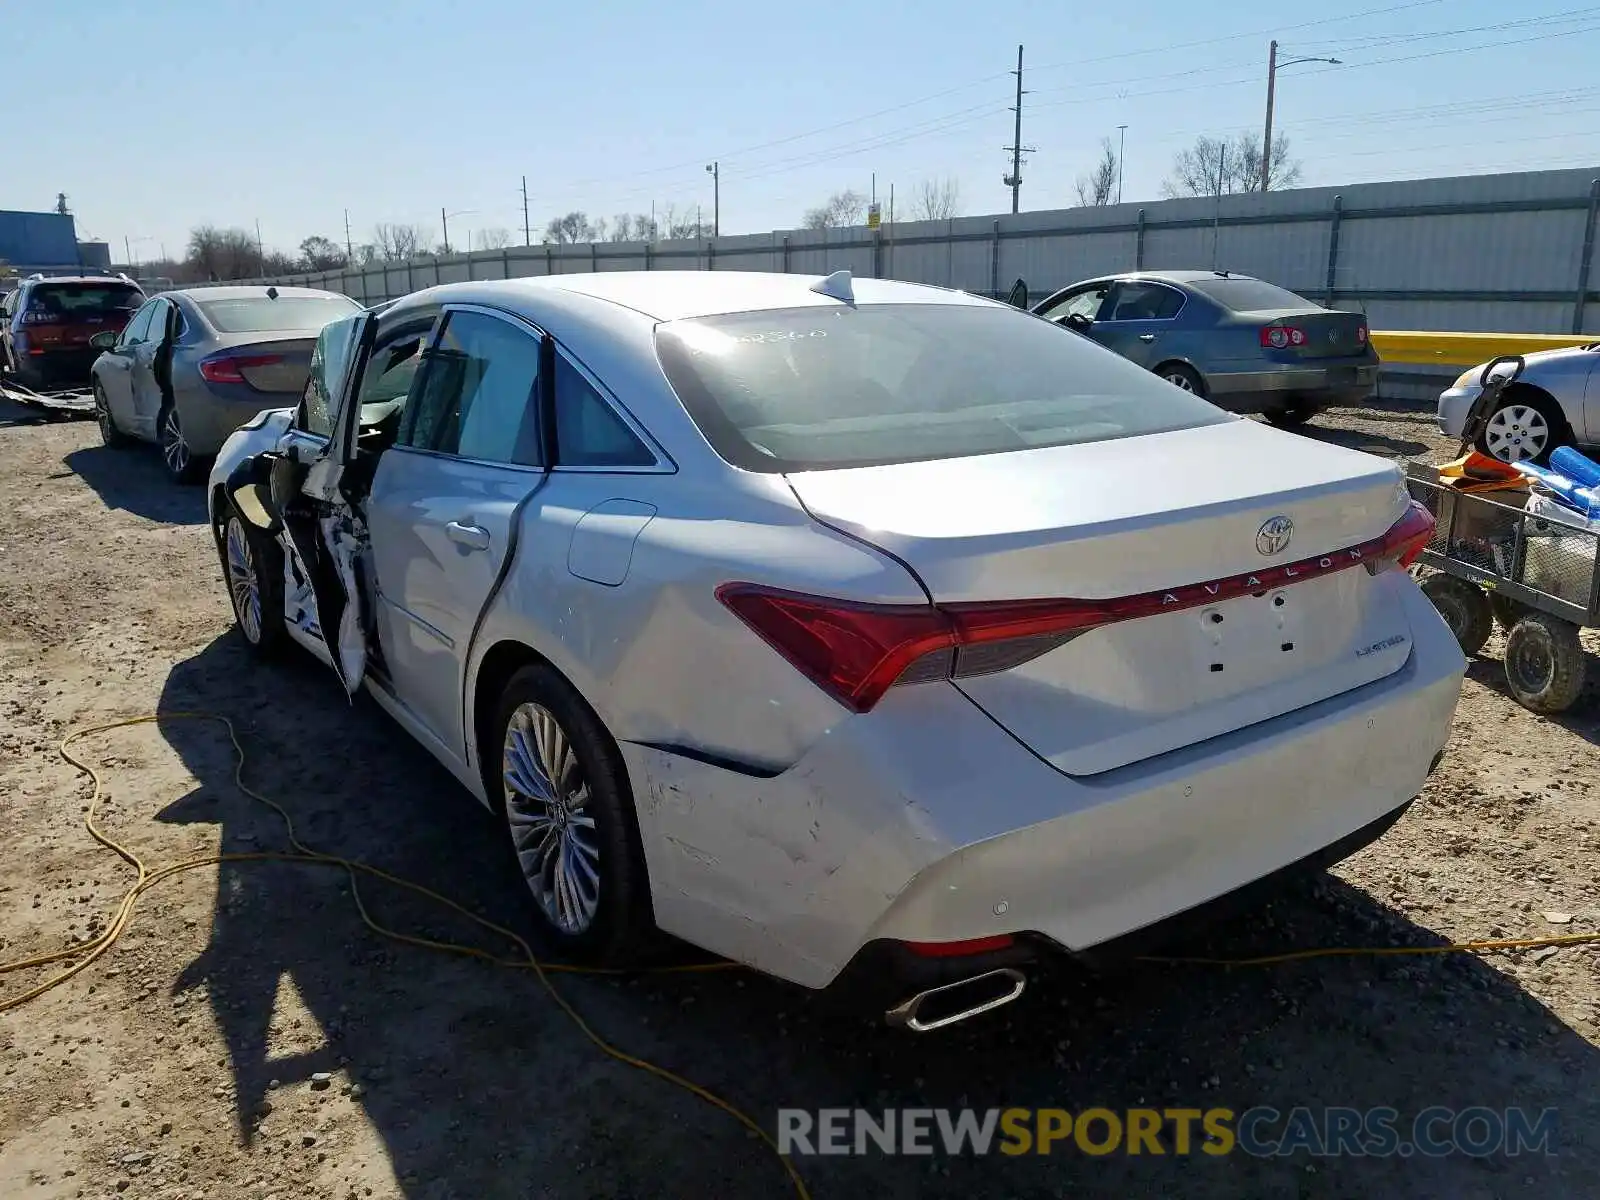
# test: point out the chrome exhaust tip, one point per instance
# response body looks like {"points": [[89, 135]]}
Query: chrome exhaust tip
{"points": [[965, 998]]}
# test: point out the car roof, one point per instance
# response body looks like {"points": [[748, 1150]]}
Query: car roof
{"points": [[245, 292], [106, 279], [1182, 276], [676, 295]]}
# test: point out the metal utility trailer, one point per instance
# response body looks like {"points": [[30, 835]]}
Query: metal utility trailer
{"points": [[1535, 573], [64, 401]]}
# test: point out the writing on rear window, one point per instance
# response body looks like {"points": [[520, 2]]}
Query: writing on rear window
{"points": [[779, 335]]}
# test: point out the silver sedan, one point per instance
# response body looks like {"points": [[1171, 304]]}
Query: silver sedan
{"points": [[867, 633], [1547, 406], [193, 365]]}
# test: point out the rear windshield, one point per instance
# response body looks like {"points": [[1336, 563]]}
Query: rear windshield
{"points": [[84, 299], [813, 388], [255, 313], [1249, 295]]}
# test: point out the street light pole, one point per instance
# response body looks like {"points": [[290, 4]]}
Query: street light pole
{"points": [[715, 170], [1272, 78], [1122, 147]]}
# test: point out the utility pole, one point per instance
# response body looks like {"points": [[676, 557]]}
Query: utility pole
{"points": [[127, 250], [1014, 180], [444, 225], [1272, 78], [716, 198], [1122, 147], [261, 254], [527, 230], [349, 250], [1266, 140]]}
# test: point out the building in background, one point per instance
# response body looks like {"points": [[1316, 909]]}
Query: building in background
{"points": [[39, 241]]}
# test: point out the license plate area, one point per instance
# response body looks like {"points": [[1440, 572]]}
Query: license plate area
{"points": [[1245, 643]]}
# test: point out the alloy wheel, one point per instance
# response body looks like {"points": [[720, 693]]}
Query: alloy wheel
{"points": [[173, 448], [1179, 379], [546, 796], [1517, 432], [102, 416], [242, 584]]}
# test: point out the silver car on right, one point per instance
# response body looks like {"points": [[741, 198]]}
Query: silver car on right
{"points": [[1553, 402]]}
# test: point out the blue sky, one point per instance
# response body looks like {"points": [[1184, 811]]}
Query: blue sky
{"points": [[158, 116]]}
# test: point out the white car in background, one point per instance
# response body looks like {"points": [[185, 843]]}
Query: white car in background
{"points": [[1546, 407], [862, 632]]}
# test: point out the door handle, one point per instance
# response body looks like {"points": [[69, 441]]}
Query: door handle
{"points": [[473, 537], [1147, 337]]}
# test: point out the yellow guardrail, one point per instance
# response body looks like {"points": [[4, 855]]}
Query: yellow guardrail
{"points": [[1423, 348]]}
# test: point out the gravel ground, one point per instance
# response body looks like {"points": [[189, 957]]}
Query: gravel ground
{"points": [[249, 1037]]}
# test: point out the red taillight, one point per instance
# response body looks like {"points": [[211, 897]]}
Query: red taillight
{"points": [[43, 318], [999, 941], [228, 368], [1279, 337], [856, 652], [1361, 334]]}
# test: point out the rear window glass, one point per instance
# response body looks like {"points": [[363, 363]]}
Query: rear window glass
{"points": [[1250, 295], [813, 388], [255, 313], [84, 299]]}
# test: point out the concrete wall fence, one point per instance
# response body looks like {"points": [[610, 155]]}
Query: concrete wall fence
{"points": [[1509, 253]]}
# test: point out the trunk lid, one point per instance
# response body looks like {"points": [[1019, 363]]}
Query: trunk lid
{"points": [[1126, 517], [276, 365], [1329, 333]]}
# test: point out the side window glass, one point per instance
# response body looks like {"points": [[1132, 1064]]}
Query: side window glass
{"points": [[589, 433], [1140, 301], [330, 358], [1080, 304], [477, 397], [136, 330]]}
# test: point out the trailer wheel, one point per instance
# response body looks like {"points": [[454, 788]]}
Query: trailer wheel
{"points": [[1544, 663], [1507, 612], [1464, 607]]}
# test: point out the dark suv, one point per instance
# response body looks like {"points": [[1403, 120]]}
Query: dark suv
{"points": [[46, 324]]}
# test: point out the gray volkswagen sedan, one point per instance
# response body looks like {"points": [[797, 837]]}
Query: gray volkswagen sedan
{"points": [[193, 365], [1244, 344]]}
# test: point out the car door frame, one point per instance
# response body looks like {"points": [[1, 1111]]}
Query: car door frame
{"points": [[1067, 294], [116, 379], [144, 383]]}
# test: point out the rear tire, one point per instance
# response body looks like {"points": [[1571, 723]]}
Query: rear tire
{"points": [[1465, 609], [1291, 416], [252, 567], [1544, 663], [563, 788], [1181, 376]]}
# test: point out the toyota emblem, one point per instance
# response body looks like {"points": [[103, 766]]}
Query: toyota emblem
{"points": [[1273, 536]]}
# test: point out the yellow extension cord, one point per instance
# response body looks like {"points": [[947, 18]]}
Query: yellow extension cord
{"points": [[91, 951]]}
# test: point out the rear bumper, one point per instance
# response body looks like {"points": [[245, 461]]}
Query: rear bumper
{"points": [[1324, 385], [209, 419], [65, 367], [926, 822]]}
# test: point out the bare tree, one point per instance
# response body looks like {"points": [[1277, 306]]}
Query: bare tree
{"points": [[1100, 184], [843, 208], [320, 254], [1221, 166], [368, 253], [397, 243], [221, 254], [493, 238], [936, 200], [681, 228], [627, 227], [574, 227]]}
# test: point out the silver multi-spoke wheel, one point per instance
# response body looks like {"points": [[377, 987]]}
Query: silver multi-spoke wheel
{"points": [[1180, 379], [242, 583], [173, 447], [1516, 432], [102, 416], [547, 798]]}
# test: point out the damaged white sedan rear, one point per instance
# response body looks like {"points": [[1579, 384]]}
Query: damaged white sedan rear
{"points": [[874, 635]]}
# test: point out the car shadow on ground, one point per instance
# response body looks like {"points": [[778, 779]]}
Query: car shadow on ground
{"points": [[132, 477], [480, 1087], [1583, 718], [1365, 439]]}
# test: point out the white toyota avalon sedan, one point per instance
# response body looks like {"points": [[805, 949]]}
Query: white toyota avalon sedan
{"points": [[854, 630]]}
